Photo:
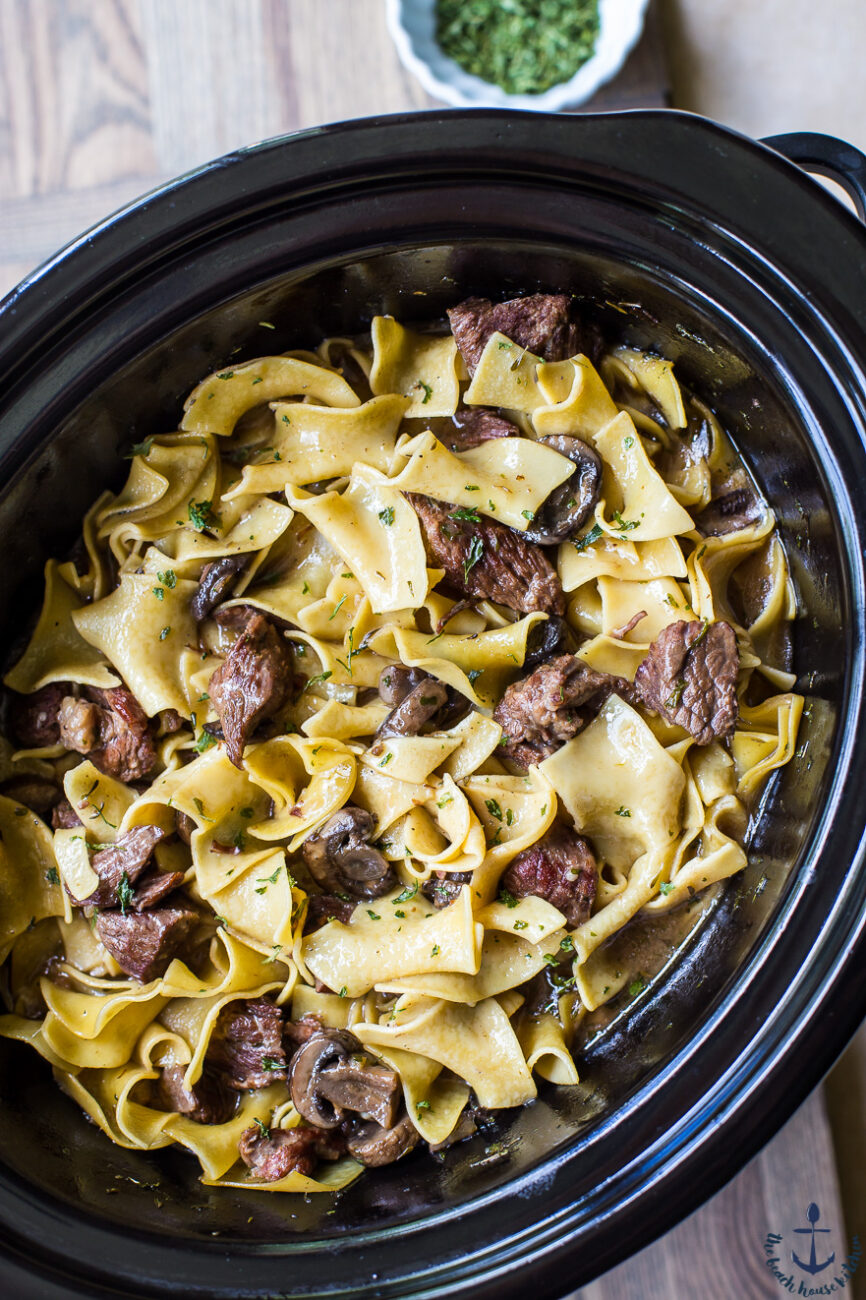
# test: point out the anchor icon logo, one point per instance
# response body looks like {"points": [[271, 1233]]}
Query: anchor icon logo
{"points": [[813, 1214]]}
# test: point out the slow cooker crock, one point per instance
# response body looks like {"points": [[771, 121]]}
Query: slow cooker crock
{"points": [[677, 234]]}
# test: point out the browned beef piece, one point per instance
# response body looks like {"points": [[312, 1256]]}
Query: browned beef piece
{"points": [[185, 825], [275, 1153], [143, 943], [37, 793], [253, 683], [541, 712], [540, 322], [322, 908], [472, 425], [64, 816], [729, 513], [35, 718], [128, 855], [487, 560], [209, 1101], [444, 886], [215, 583], [154, 887], [561, 868], [298, 1032], [246, 1046], [234, 618], [170, 721], [689, 676], [112, 729]]}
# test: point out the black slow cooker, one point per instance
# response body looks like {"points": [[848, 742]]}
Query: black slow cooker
{"points": [[679, 235]]}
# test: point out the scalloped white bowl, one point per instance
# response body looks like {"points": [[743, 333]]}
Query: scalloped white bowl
{"points": [[412, 24]]}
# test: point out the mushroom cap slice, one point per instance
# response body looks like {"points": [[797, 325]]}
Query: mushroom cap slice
{"points": [[374, 1145], [569, 505], [341, 859]]}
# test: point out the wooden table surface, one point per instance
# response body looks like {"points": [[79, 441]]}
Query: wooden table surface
{"points": [[100, 100]]}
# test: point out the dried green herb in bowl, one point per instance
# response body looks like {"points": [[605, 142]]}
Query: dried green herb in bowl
{"points": [[524, 46]]}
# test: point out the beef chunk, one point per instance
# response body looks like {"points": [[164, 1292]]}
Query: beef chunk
{"points": [[129, 855], [36, 792], [298, 1032], [472, 425], [154, 887], [35, 718], [246, 1046], [560, 868], [64, 816], [253, 683], [143, 943], [209, 1101], [272, 1154], [217, 580], [689, 676], [170, 721], [419, 707], [540, 322], [568, 507], [487, 560], [729, 513], [322, 908], [444, 887], [112, 729], [544, 710], [185, 825]]}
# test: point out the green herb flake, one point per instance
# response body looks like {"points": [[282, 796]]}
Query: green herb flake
{"points": [[406, 894], [164, 633], [666, 888], [271, 1063], [493, 808], [158, 592], [168, 579], [622, 811], [672, 702], [124, 894], [476, 550], [204, 742], [314, 681], [52, 877], [567, 944], [521, 925], [471, 487], [589, 539], [374, 916], [387, 516], [625, 525], [202, 516], [264, 1131], [550, 959], [528, 514], [339, 605], [226, 374], [434, 951], [139, 449], [508, 899], [428, 391], [387, 759], [637, 985], [422, 1105], [466, 513], [628, 442]]}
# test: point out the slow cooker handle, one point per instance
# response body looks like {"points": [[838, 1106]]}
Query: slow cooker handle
{"points": [[827, 156]]}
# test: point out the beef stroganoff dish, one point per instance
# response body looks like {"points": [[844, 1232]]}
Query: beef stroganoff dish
{"points": [[393, 688]]}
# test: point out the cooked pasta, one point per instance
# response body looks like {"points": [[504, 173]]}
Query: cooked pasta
{"points": [[387, 691]]}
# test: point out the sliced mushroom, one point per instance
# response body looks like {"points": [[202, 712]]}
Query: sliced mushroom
{"points": [[397, 681], [374, 1145], [341, 859], [546, 640], [217, 580], [416, 709], [444, 887], [330, 1076], [568, 507]]}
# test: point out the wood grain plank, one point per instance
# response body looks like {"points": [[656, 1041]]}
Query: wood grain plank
{"points": [[716, 1253], [77, 101]]}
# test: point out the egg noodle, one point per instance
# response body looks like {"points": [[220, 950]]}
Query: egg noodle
{"points": [[286, 462]]}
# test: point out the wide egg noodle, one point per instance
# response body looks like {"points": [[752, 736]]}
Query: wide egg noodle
{"points": [[57, 652], [505, 478], [655, 376], [315, 443], [618, 557], [141, 635], [218, 402], [505, 376], [422, 367], [542, 1041], [647, 510], [372, 948], [376, 532], [29, 889]]}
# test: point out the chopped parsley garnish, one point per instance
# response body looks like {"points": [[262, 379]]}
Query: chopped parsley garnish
{"points": [[406, 894], [628, 442], [521, 925], [264, 881], [637, 986], [434, 951], [159, 592], [271, 1063], [204, 742], [567, 944], [474, 674], [625, 525], [124, 894], [314, 681], [508, 899], [428, 391], [264, 1131], [676, 695], [528, 514], [493, 808], [168, 579], [423, 1105], [466, 512], [589, 539], [52, 877], [387, 759], [550, 959], [374, 916], [387, 516], [226, 374], [139, 449], [339, 605], [471, 487], [622, 811], [202, 516], [164, 633], [476, 550], [666, 888]]}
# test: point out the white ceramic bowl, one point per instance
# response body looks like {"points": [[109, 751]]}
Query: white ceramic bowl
{"points": [[412, 24]]}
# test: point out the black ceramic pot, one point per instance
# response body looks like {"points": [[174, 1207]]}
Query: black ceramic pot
{"points": [[752, 278]]}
